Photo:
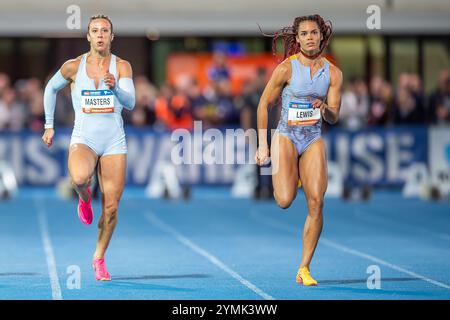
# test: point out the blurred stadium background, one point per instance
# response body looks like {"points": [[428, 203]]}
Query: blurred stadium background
{"points": [[208, 61]]}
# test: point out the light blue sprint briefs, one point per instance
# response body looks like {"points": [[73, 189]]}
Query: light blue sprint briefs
{"points": [[298, 121]]}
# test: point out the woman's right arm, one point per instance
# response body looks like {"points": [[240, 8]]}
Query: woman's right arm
{"points": [[59, 80], [271, 93]]}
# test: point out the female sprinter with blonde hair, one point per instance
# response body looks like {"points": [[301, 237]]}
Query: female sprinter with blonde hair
{"points": [[101, 86]]}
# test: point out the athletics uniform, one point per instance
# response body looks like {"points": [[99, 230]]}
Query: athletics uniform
{"points": [[98, 119], [299, 121]]}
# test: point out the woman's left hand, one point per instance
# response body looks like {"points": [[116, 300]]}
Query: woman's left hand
{"points": [[109, 80]]}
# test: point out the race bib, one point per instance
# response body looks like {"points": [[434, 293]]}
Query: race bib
{"points": [[97, 101], [302, 114]]}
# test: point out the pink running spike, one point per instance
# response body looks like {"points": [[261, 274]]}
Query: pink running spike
{"points": [[85, 209], [101, 274]]}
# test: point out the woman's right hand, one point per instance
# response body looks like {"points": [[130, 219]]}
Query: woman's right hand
{"points": [[262, 155], [47, 137]]}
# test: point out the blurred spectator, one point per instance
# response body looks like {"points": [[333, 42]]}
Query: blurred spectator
{"points": [[198, 102], [408, 107], [12, 114], [4, 83], [443, 109], [416, 89], [162, 105], [249, 100], [34, 101], [248, 104], [195, 95], [173, 109], [36, 115], [406, 111], [403, 81], [224, 100], [219, 71], [380, 102], [355, 105], [143, 113], [439, 100], [180, 110], [5, 114], [220, 108]]}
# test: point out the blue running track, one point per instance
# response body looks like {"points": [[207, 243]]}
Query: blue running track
{"points": [[217, 247]]}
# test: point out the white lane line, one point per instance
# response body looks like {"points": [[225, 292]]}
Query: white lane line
{"points": [[51, 262], [211, 258], [382, 262], [284, 227]]}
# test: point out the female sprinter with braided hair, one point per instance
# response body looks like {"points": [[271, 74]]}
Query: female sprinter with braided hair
{"points": [[310, 88]]}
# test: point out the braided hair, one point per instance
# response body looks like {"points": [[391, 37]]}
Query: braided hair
{"points": [[288, 36]]}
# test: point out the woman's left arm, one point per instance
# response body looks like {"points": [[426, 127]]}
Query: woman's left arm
{"points": [[124, 88]]}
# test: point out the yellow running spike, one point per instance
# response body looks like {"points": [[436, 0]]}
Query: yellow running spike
{"points": [[304, 277]]}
